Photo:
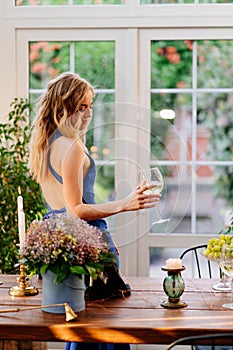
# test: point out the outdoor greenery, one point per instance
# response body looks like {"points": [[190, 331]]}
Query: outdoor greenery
{"points": [[172, 68], [15, 134], [66, 2], [215, 110]]}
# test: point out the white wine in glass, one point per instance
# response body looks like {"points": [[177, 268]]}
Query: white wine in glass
{"points": [[154, 177], [226, 265]]}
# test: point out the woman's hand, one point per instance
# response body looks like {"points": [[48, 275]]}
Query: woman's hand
{"points": [[141, 198]]}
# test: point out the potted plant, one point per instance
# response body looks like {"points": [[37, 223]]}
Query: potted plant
{"points": [[64, 248]]}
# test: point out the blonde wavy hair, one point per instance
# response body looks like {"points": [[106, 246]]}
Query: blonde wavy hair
{"points": [[63, 97]]}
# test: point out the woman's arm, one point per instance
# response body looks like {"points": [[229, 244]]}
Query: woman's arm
{"points": [[74, 167], [135, 201]]}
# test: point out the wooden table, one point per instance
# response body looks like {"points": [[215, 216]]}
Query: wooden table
{"points": [[139, 319]]}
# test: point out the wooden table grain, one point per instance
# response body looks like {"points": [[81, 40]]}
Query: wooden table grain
{"points": [[139, 319]]}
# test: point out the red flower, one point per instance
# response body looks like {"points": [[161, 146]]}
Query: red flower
{"points": [[171, 49], [34, 55], [173, 58], [39, 67], [180, 84], [189, 44], [160, 51]]}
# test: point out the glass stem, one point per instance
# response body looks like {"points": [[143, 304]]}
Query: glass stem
{"points": [[224, 279], [158, 212]]}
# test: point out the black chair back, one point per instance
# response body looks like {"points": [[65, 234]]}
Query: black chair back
{"points": [[196, 253]]}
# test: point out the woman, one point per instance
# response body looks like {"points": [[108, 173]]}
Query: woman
{"points": [[61, 164]]}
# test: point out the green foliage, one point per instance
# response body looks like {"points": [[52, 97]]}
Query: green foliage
{"points": [[99, 62], [66, 2], [172, 68], [47, 60], [171, 64], [215, 110], [15, 134]]}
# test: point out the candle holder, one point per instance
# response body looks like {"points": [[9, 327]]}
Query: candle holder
{"points": [[173, 286], [23, 288]]}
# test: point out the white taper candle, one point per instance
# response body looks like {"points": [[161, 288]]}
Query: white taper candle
{"points": [[21, 221]]}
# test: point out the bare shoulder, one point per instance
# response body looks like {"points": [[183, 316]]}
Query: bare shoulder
{"points": [[72, 151]]}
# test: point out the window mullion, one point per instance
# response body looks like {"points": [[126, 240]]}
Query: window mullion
{"points": [[194, 138]]}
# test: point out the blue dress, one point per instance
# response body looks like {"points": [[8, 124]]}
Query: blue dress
{"points": [[88, 198]]}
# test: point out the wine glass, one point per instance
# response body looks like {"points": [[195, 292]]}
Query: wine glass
{"points": [[154, 177], [226, 265], [223, 285]]}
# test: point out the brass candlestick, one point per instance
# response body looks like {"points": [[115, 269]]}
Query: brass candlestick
{"points": [[23, 289]]}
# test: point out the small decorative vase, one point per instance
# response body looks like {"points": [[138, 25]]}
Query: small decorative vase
{"points": [[173, 286], [70, 291]]}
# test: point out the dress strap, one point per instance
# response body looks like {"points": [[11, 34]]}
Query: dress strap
{"points": [[52, 212], [54, 137], [58, 177]]}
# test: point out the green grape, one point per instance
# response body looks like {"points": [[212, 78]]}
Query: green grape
{"points": [[217, 248], [228, 239], [214, 246], [221, 242]]}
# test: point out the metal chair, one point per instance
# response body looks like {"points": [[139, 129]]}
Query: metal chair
{"points": [[195, 252], [221, 341]]}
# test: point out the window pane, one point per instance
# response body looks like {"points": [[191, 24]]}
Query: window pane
{"points": [[100, 143], [153, 2], [215, 1], [210, 212], [175, 202], [95, 61], [216, 122], [67, 2], [101, 129], [214, 64], [171, 138], [47, 60], [98, 2], [40, 2], [223, 184], [171, 64], [33, 101]]}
